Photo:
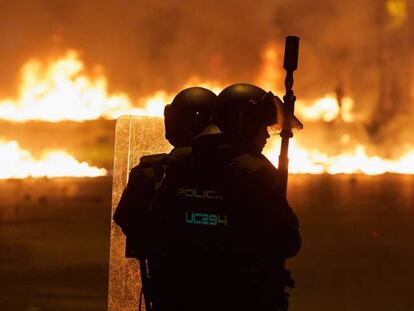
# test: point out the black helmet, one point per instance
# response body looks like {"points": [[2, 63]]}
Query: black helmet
{"points": [[188, 114], [241, 109]]}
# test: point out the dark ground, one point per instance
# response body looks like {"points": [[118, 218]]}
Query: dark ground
{"points": [[358, 251], [54, 244]]}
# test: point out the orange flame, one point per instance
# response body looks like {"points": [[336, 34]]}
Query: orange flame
{"points": [[356, 161], [19, 163], [60, 90], [270, 77], [326, 109]]}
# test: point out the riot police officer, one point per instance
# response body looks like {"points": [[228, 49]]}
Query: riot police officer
{"points": [[245, 113], [187, 115], [222, 227]]}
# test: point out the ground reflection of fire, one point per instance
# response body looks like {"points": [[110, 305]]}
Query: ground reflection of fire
{"points": [[60, 90]]}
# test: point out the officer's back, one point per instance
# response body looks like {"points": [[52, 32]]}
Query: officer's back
{"points": [[195, 229], [214, 233], [186, 116], [220, 226]]}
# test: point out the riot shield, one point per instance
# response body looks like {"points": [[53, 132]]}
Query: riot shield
{"points": [[134, 138]]}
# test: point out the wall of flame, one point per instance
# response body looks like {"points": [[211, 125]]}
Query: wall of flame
{"points": [[61, 90]]}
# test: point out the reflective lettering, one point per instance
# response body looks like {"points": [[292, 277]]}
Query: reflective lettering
{"points": [[205, 219], [188, 219], [222, 220], [199, 193], [213, 219], [212, 195], [196, 221]]}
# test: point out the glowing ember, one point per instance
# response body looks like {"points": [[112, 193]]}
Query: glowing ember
{"points": [[19, 163]]}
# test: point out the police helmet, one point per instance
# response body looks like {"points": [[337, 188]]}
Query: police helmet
{"points": [[241, 109], [188, 114]]}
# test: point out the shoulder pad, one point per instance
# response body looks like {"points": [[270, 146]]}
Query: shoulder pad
{"points": [[248, 163], [179, 153], [269, 164], [153, 159], [150, 167]]}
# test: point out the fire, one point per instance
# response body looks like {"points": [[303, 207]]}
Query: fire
{"points": [[398, 11], [356, 161], [326, 109], [270, 77], [61, 90], [19, 163]]}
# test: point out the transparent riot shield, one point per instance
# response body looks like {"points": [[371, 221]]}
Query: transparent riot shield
{"points": [[134, 138]]}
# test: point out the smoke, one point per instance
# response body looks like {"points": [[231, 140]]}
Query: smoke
{"points": [[142, 45], [362, 49], [352, 47]]}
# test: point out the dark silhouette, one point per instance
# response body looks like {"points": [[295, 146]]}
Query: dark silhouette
{"points": [[187, 115], [221, 226]]}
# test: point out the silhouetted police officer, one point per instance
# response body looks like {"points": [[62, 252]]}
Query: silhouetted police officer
{"points": [[187, 115], [222, 228]]}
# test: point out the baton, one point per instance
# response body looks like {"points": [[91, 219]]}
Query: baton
{"points": [[290, 64]]}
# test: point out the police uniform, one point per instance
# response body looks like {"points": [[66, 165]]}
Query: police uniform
{"points": [[187, 115], [220, 227], [131, 213]]}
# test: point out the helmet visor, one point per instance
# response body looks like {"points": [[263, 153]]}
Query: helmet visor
{"points": [[284, 118]]}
